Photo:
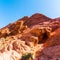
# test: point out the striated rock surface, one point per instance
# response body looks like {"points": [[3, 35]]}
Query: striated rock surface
{"points": [[50, 53], [36, 19], [31, 38]]}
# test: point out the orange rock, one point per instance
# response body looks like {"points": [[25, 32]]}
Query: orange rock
{"points": [[38, 34]]}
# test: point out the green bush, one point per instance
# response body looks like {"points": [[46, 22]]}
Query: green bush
{"points": [[27, 56]]}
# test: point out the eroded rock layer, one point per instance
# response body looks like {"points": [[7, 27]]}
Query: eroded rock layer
{"points": [[31, 38]]}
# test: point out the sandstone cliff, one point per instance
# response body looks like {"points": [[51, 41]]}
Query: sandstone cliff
{"points": [[31, 38]]}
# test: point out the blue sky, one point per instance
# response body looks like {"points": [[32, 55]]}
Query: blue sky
{"points": [[11, 10]]}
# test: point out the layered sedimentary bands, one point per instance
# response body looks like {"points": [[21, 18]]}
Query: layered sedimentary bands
{"points": [[31, 38]]}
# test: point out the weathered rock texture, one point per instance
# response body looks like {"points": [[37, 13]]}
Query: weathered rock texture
{"points": [[37, 34]]}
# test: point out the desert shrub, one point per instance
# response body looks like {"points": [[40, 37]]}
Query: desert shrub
{"points": [[27, 56]]}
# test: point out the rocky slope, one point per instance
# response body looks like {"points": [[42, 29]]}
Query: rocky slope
{"points": [[31, 38]]}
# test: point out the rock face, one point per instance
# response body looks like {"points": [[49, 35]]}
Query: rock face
{"points": [[50, 53], [36, 19], [37, 36]]}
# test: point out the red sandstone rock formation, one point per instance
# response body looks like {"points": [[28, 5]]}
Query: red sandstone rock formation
{"points": [[37, 34]]}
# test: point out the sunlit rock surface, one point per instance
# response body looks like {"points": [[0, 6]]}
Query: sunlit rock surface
{"points": [[38, 35]]}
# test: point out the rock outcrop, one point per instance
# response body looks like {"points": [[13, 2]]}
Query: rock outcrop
{"points": [[31, 38]]}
